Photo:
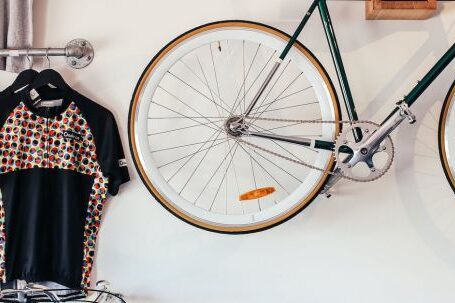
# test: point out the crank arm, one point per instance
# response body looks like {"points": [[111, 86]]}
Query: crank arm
{"points": [[400, 114]]}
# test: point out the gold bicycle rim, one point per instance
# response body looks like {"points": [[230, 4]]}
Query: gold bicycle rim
{"points": [[442, 146], [167, 204]]}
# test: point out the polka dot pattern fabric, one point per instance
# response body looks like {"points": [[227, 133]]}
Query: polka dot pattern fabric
{"points": [[2, 242]]}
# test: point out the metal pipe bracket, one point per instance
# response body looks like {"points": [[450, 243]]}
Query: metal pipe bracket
{"points": [[79, 53]]}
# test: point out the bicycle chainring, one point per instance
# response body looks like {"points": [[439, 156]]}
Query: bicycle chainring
{"points": [[357, 163]]}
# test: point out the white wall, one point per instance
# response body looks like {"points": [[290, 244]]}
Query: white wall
{"points": [[388, 241]]}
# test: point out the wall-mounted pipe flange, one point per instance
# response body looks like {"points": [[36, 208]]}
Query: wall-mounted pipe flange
{"points": [[79, 53]]}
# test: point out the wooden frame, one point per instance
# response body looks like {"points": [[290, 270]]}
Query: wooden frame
{"points": [[399, 9]]}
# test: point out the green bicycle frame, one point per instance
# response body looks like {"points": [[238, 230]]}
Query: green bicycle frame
{"points": [[409, 99]]}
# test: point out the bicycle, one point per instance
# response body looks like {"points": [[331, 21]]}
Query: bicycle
{"points": [[235, 126], [23, 292]]}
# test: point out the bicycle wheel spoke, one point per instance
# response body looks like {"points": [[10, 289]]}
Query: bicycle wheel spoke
{"points": [[266, 181], [188, 155], [183, 145], [194, 89], [243, 72], [186, 117], [197, 166], [186, 127], [181, 128], [255, 183], [211, 177], [226, 186], [184, 103], [243, 82], [189, 159], [236, 178], [214, 71], [243, 86], [294, 93], [283, 108], [279, 95], [224, 176], [199, 78], [235, 105], [277, 166], [208, 85], [265, 170], [282, 98]]}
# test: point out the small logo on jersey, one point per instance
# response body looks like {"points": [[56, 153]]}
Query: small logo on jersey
{"points": [[122, 162], [70, 135]]}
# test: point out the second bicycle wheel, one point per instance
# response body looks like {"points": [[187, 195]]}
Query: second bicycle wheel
{"points": [[177, 127], [446, 134]]}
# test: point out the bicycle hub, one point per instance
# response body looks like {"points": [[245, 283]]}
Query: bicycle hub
{"points": [[235, 126]]}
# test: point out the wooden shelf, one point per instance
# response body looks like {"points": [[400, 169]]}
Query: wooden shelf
{"points": [[399, 9]]}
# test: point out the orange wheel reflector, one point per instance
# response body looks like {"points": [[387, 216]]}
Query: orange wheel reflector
{"points": [[257, 193]]}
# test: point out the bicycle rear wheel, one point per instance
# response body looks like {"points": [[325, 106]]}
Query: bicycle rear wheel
{"points": [[182, 151]]}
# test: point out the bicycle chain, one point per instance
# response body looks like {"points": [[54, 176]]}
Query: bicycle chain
{"points": [[327, 171]]}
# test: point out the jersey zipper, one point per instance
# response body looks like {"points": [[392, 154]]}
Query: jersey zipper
{"points": [[47, 137]]}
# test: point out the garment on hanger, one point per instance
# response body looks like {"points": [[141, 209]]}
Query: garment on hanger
{"points": [[23, 80], [60, 158]]}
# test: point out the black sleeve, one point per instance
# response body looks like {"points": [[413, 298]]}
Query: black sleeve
{"points": [[110, 155], [108, 145]]}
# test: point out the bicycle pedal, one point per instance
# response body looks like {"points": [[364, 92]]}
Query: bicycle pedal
{"points": [[406, 112]]}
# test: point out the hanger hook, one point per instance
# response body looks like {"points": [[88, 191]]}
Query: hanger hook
{"points": [[47, 57], [30, 64]]}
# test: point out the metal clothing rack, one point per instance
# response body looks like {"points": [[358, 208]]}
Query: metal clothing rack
{"points": [[78, 52]]}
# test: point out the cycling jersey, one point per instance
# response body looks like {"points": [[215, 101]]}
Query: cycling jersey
{"points": [[58, 160]]}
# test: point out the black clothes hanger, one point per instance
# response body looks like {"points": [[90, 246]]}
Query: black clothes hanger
{"points": [[49, 77], [23, 79], [49, 84]]}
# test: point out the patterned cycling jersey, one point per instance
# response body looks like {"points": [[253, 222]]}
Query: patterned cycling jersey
{"points": [[58, 160]]}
